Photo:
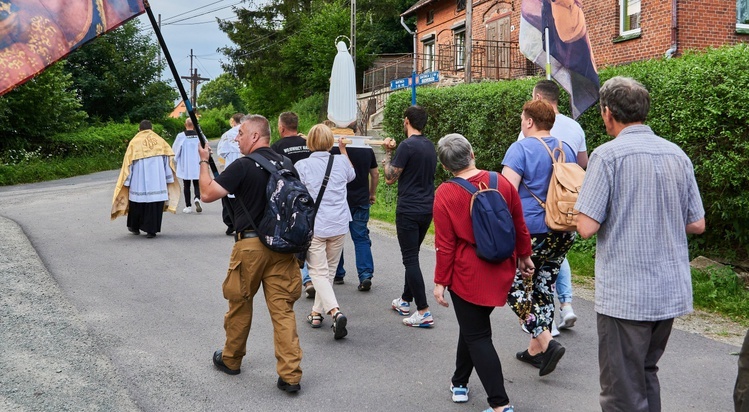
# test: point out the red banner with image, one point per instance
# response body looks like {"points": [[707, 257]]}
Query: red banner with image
{"points": [[36, 33]]}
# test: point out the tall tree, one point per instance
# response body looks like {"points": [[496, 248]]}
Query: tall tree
{"points": [[116, 76], [43, 106], [220, 92], [285, 49]]}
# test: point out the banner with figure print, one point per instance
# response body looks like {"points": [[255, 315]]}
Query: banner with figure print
{"points": [[571, 57], [36, 33]]}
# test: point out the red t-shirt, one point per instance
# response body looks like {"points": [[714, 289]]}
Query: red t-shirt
{"points": [[458, 267]]}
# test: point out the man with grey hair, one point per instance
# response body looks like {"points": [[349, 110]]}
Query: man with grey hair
{"points": [[643, 280], [252, 263]]}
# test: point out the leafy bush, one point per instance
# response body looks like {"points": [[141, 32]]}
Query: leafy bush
{"points": [[698, 101], [311, 111]]}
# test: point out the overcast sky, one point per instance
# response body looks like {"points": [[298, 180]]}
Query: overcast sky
{"points": [[191, 24]]}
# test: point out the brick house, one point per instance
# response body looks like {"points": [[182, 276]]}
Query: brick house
{"points": [[620, 31]]}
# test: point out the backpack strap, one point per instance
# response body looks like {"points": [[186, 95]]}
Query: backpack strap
{"points": [[267, 165], [465, 184]]}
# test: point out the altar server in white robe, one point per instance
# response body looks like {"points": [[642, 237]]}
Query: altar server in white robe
{"points": [[228, 149], [188, 167]]}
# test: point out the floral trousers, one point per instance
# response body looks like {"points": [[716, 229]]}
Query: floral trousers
{"points": [[532, 299]]}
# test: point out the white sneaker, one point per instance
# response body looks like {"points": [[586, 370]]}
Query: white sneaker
{"points": [[401, 306], [460, 393], [420, 321], [554, 330], [188, 209], [568, 317], [198, 207]]}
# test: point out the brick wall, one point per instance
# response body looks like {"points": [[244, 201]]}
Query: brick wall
{"points": [[701, 24]]}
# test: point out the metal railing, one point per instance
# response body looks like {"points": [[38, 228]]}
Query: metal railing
{"points": [[494, 60], [380, 77]]}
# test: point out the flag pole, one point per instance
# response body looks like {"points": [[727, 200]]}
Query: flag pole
{"points": [[182, 92], [548, 54]]}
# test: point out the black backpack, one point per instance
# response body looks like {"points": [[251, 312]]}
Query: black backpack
{"points": [[493, 227], [289, 217]]}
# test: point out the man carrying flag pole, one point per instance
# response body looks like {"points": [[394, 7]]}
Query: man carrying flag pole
{"points": [[555, 31]]}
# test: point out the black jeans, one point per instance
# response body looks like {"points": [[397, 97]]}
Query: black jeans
{"points": [[476, 350], [186, 186], [411, 231]]}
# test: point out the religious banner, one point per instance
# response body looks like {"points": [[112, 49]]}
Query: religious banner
{"points": [[571, 56], [36, 33]]}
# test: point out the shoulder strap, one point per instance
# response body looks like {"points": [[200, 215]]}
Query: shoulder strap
{"points": [[538, 199], [262, 161], [465, 184], [324, 183], [494, 181]]}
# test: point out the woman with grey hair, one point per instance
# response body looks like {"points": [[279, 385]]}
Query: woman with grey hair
{"points": [[476, 286]]}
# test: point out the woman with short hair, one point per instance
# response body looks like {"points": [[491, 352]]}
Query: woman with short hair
{"points": [[331, 222], [528, 166], [476, 286]]}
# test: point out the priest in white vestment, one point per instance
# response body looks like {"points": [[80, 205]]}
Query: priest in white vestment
{"points": [[146, 186]]}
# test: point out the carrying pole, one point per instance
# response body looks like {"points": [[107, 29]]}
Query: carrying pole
{"points": [[182, 92]]}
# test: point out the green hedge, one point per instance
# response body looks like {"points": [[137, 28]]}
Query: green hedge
{"points": [[700, 101], [88, 150]]}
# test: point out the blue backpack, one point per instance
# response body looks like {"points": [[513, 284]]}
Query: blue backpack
{"points": [[493, 227]]}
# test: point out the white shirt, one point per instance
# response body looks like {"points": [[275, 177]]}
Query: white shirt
{"points": [[568, 131], [148, 178], [186, 156], [228, 148], [333, 214]]}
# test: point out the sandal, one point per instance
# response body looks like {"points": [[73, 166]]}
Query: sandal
{"points": [[339, 325], [315, 320]]}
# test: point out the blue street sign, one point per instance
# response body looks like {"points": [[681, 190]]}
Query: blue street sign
{"points": [[424, 78], [428, 77]]}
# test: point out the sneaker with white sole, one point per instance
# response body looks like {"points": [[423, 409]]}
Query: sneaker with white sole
{"points": [[568, 317], [401, 306], [198, 206], [420, 321], [554, 330], [460, 393], [188, 209]]}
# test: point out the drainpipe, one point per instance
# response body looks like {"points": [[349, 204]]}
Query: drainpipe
{"points": [[413, 72], [674, 31]]}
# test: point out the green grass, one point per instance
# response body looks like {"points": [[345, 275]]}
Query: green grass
{"points": [[721, 291], [39, 170]]}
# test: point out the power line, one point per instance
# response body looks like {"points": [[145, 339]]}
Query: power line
{"points": [[195, 9], [203, 13]]}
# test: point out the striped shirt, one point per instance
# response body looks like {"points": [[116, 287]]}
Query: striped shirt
{"points": [[642, 190]]}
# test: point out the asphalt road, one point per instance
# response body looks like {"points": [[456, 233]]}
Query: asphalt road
{"points": [[94, 318]]}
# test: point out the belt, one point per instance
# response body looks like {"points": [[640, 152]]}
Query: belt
{"points": [[245, 234]]}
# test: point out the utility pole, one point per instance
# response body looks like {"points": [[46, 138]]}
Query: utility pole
{"points": [[353, 32], [469, 39], [194, 79]]}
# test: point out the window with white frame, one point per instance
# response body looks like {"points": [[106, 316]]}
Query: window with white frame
{"points": [[427, 64], [460, 48], [742, 14], [629, 16]]}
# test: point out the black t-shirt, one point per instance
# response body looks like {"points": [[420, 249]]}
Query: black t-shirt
{"points": [[418, 159], [363, 160], [293, 147], [247, 181]]}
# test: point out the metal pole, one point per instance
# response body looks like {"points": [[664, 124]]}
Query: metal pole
{"points": [[182, 92], [469, 39], [548, 55], [159, 50], [413, 72]]}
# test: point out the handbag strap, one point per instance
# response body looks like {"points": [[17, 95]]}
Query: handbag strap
{"points": [[324, 184]]}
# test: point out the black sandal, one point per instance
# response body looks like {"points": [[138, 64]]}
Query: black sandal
{"points": [[339, 325]]}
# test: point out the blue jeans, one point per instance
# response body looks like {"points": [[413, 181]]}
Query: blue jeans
{"points": [[362, 244], [564, 283], [305, 274]]}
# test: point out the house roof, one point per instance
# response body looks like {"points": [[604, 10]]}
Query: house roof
{"points": [[419, 4]]}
